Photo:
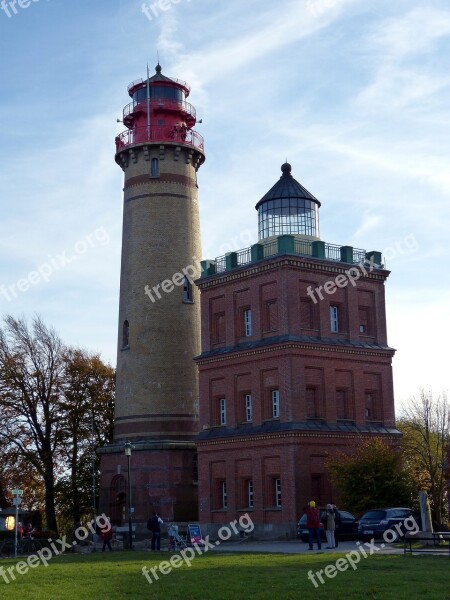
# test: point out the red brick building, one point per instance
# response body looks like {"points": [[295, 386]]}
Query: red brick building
{"points": [[294, 368]]}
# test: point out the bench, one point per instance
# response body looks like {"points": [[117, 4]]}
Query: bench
{"points": [[436, 543]]}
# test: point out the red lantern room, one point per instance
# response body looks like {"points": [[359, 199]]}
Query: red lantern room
{"points": [[159, 113]]}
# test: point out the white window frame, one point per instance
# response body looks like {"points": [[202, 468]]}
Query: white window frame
{"points": [[247, 322], [223, 411], [250, 496], [334, 318], [248, 408], [224, 495], [276, 404], [278, 493]]}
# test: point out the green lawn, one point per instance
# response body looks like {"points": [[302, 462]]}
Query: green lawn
{"points": [[230, 576]]}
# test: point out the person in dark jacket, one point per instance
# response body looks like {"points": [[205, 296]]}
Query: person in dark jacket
{"points": [[338, 524], [154, 525], [313, 525]]}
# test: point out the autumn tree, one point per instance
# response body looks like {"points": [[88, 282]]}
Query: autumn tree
{"points": [[425, 424], [56, 407], [370, 477], [87, 419], [31, 376]]}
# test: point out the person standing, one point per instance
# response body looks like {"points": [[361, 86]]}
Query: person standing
{"points": [[106, 535], [154, 525], [313, 525], [337, 521], [330, 526]]}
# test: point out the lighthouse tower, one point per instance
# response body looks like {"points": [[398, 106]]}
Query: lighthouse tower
{"points": [[159, 314]]}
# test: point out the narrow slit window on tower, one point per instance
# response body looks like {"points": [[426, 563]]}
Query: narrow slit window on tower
{"points": [[154, 172], [125, 335], [187, 290]]}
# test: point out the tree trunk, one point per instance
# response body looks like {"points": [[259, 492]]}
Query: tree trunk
{"points": [[50, 513], [74, 485]]}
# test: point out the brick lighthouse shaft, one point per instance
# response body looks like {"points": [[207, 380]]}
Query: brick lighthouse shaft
{"points": [[159, 314]]}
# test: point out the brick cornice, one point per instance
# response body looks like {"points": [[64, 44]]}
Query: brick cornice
{"points": [[283, 436], [163, 178], [272, 263], [238, 354]]}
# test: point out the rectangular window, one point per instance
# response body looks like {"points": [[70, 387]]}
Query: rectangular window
{"points": [[334, 319], [275, 404], [224, 495], [248, 408], [313, 403], [222, 411], [247, 322], [372, 412], [341, 404], [250, 493], [270, 316], [278, 493], [365, 320], [309, 314], [218, 328]]}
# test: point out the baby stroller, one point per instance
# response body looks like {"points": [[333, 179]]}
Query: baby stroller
{"points": [[176, 542]]}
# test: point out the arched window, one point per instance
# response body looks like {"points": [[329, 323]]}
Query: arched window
{"points": [[126, 335], [154, 168], [187, 290], [117, 500]]}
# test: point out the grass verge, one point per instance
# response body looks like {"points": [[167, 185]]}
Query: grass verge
{"points": [[216, 576]]}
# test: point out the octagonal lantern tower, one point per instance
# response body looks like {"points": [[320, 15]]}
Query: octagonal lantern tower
{"points": [[159, 313]]}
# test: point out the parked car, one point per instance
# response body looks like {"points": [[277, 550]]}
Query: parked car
{"points": [[375, 522], [348, 527]]}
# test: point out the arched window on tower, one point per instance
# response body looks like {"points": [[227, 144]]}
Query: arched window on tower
{"points": [[125, 335], [154, 168], [117, 500], [187, 290]]}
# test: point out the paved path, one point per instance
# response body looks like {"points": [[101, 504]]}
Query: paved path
{"points": [[298, 547]]}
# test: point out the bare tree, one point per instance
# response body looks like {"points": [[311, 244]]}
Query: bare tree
{"points": [[425, 425], [31, 376]]}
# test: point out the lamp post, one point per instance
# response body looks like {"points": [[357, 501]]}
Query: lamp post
{"points": [[128, 448], [93, 478]]}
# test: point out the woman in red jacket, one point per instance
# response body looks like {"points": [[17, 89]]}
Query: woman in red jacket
{"points": [[107, 534], [313, 524]]}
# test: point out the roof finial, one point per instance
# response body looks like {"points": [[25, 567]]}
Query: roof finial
{"points": [[286, 168], [158, 66]]}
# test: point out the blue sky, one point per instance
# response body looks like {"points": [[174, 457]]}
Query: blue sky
{"points": [[354, 94]]}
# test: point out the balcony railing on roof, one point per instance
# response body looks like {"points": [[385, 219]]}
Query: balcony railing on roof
{"points": [[174, 79], [162, 103], [140, 135], [333, 252]]}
